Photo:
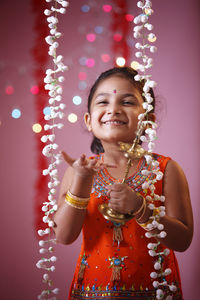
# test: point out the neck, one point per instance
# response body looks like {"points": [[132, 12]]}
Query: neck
{"points": [[113, 155]]}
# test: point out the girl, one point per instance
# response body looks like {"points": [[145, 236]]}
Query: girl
{"points": [[114, 261]]}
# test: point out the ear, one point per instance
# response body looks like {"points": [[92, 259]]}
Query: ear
{"points": [[87, 120]]}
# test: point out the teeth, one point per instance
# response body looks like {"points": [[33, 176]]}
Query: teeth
{"points": [[114, 122]]}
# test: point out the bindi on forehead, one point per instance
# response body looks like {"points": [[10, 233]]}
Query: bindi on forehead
{"points": [[115, 91]]}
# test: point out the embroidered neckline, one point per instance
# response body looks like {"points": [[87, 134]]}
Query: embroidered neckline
{"points": [[135, 181], [140, 165]]}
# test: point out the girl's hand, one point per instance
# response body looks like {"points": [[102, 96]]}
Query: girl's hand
{"points": [[84, 166], [123, 199]]}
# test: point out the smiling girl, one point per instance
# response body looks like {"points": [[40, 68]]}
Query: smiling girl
{"points": [[114, 262]]}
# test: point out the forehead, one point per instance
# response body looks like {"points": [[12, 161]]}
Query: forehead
{"points": [[118, 84]]}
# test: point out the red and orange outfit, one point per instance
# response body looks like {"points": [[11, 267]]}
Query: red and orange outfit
{"points": [[108, 268]]}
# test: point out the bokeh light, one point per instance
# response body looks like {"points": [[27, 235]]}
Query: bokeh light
{"points": [[98, 29], [129, 17], [90, 62], [135, 65], [16, 113], [37, 128], [77, 100], [72, 118], [47, 110], [120, 61], [9, 90], [82, 75], [34, 90], [82, 85], [91, 37], [83, 61], [85, 8], [105, 57], [107, 8], [117, 37]]}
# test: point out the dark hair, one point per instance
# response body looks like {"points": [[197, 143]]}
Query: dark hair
{"points": [[124, 72]]}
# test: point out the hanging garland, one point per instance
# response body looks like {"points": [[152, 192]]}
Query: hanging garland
{"points": [[41, 100], [142, 31], [53, 81]]}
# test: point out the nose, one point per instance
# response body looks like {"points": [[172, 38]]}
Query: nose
{"points": [[114, 108]]}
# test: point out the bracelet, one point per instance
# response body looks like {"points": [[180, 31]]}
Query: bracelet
{"points": [[143, 213], [77, 202], [151, 218], [143, 206]]}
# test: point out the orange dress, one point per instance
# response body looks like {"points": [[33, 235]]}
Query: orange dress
{"points": [[108, 268]]}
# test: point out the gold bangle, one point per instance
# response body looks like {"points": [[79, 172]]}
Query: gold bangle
{"points": [[140, 209], [77, 202], [77, 198], [144, 225], [143, 213]]}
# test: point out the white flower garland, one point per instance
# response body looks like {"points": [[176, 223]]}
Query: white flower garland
{"points": [[141, 31], [52, 84]]}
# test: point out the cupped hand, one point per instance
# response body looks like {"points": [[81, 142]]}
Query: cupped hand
{"points": [[85, 166], [122, 198]]}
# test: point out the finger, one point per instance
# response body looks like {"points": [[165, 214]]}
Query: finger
{"points": [[117, 187], [109, 166], [68, 158], [114, 207], [82, 160]]}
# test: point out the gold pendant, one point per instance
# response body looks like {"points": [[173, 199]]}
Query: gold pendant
{"points": [[132, 152]]}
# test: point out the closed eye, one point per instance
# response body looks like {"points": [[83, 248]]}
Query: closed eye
{"points": [[128, 102], [103, 101]]}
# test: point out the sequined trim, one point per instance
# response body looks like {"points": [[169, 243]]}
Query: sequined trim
{"points": [[94, 293]]}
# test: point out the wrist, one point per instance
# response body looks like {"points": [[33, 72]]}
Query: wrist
{"points": [[140, 206]]}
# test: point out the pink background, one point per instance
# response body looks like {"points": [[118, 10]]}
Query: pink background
{"points": [[176, 70]]}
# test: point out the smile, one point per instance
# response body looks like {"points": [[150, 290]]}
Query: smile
{"points": [[114, 122]]}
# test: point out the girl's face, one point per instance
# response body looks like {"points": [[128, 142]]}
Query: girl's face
{"points": [[114, 111]]}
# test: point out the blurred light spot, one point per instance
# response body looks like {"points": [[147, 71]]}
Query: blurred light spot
{"points": [[91, 37], [107, 8], [98, 29], [85, 8], [129, 17], [117, 37], [152, 39], [82, 85], [135, 65], [72, 118], [0, 123], [83, 61], [77, 100], [105, 57], [9, 90], [47, 110], [16, 113], [37, 128], [90, 63], [120, 61], [34, 90], [82, 75]]}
